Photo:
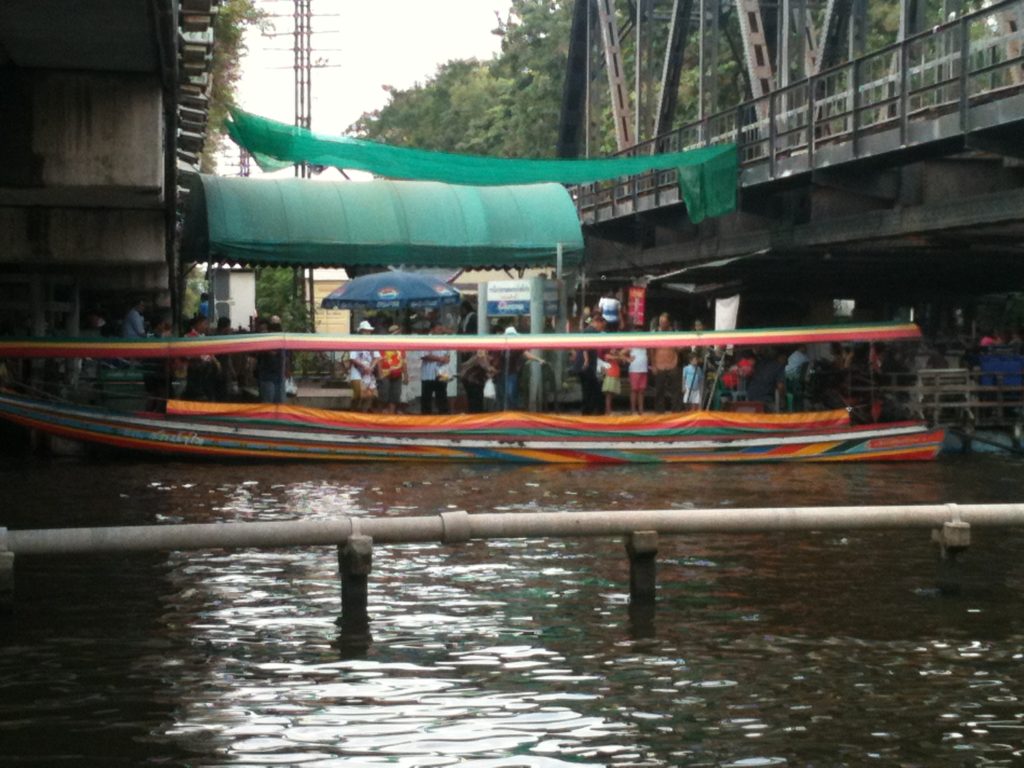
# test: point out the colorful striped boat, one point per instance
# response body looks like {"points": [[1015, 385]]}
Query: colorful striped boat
{"points": [[274, 432], [261, 431]]}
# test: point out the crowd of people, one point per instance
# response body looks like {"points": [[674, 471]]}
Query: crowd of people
{"points": [[609, 379]]}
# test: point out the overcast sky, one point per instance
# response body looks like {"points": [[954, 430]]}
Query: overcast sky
{"points": [[366, 46]]}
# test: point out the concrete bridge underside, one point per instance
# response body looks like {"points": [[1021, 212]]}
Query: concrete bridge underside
{"points": [[82, 162], [948, 226], [99, 103]]}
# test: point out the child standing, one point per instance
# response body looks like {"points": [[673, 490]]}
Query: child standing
{"points": [[612, 384], [693, 384]]}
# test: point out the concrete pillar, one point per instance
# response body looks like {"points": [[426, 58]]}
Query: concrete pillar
{"points": [[6, 574], [642, 548], [354, 560]]}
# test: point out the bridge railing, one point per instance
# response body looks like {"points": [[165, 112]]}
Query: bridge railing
{"points": [[884, 101]]}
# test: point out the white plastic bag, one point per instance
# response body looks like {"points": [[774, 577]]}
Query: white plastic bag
{"points": [[490, 393]]}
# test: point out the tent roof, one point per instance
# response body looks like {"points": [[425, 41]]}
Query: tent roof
{"points": [[298, 222]]}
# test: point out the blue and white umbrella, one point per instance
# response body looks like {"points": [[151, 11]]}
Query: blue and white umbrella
{"points": [[392, 290]]}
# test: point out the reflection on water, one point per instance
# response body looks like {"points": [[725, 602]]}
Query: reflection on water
{"points": [[773, 649]]}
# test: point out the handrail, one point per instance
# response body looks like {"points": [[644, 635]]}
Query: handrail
{"points": [[458, 526], [939, 68]]}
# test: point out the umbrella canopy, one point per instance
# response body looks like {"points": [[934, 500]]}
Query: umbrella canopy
{"points": [[392, 290]]}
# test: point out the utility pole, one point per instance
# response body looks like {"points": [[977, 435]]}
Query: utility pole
{"points": [[303, 13]]}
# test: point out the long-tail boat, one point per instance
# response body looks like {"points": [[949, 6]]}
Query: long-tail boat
{"points": [[264, 431]]}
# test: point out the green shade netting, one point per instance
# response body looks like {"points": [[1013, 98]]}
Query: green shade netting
{"points": [[299, 222], [707, 176]]}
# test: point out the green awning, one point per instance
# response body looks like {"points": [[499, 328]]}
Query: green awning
{"points": [[707, 176], [299, 222]]}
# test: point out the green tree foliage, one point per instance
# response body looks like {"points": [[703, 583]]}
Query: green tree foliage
{"points": [[534, 50], [507, 107], [456, 111], [279, 292], [230, 23]]}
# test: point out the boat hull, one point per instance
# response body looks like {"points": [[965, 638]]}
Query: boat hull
{"points": [[262, 432]]}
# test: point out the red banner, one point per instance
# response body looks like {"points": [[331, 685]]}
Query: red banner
{"points": [[637, 300]]}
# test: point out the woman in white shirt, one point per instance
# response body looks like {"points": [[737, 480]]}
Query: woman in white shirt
{"points": [[610, 307]]}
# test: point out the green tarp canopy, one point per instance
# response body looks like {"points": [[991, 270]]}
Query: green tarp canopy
{"points": [[707, 176], [299, 222]]}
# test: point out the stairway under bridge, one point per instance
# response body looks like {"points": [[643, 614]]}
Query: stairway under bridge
{"points": [[898, 174]]}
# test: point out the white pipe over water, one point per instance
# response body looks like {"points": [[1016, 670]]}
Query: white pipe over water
{"points": [[451, 527]]}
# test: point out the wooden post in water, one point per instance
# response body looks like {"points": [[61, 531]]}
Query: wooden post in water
{"points": [[354, 560], [642, 548]]}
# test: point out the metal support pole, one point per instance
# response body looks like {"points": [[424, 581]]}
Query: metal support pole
{"points": [[537, 318], [642, 548], [711, 61], [701, 46], [282, 383], [904, 99], [855, 109], [616, 73], [589, 75], [784, 21], [755, 47], [483, 322], [965, 66], [72, 328], [857, 34], [638, 68], [812, 95], [953, 538], [355, 558], [561, 324], [303, 74], [675, 44], [6, 574]]}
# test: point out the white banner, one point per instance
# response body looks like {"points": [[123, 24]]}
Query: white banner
{"points": [[726, 312]]}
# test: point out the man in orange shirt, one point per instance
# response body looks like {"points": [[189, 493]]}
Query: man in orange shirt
{"points": [[393, 373]]}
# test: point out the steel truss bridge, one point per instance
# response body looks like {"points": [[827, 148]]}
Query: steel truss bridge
{"points": [[863, 131]]}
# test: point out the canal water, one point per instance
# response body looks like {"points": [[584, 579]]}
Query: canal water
{"points": [[810, 649]]}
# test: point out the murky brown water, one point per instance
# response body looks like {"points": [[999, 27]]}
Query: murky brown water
{"points": [[797, 649]]}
